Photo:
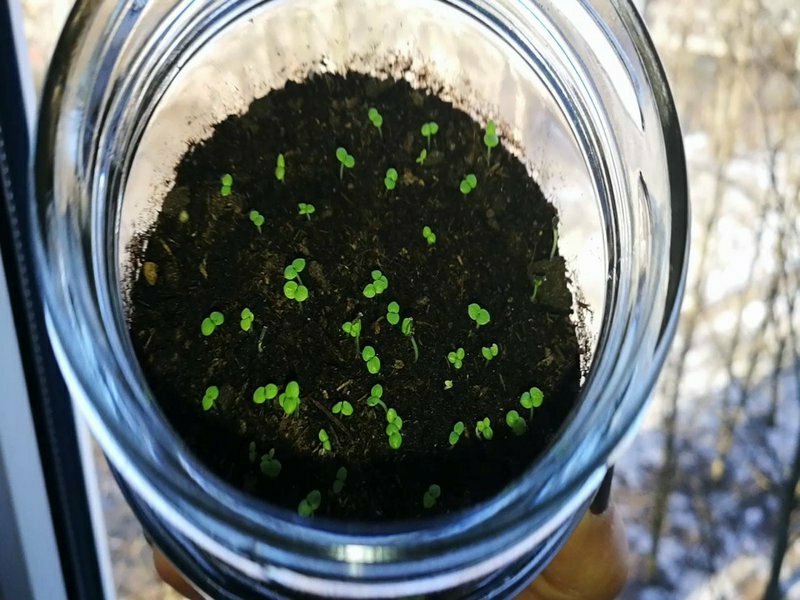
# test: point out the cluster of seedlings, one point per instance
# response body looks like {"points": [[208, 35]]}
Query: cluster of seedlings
{"points": [[288, 399]]}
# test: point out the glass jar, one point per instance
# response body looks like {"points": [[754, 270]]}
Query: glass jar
{"points": [[581, 97]]}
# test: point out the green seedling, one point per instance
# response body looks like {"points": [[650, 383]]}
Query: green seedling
{"points": [[375, 397], [353, 329], [429, 130], [295, 290], [379, 285], [211, 322], [469, 183], [226, 184], [270, 466], [531, 399], [345, 159], [490, 352], [483, 429], [343, 408], [376, 118], [516, 423], [393, 427], [210, 397], [490, 139], [257, 219], [430, 497], [325, 439], [251, 452], [478, 314], [306, 210], [267, 392], [289, 400], [537, 283], [293, 270], [309, 505], [393, 313], [246, 322], [370, 357], [183, 216], [456, 358], [429, 236], [455, 435], [423, 156], [341, 478], [280, 168], [448, 384], [407, 328], [390, 181]]}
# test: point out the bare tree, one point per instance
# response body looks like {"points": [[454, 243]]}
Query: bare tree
{"points": [[728, 102], [790, 486]]}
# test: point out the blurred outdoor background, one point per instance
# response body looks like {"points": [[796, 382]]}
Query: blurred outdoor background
{"points": [[709, 488]]}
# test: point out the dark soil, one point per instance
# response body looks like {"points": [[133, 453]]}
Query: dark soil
{"points": [[490, 246]]}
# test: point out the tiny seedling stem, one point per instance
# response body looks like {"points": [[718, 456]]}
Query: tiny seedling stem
{"points": [[537, 283], [345, 160], [491, 140], [408, 330], [353, 329]]}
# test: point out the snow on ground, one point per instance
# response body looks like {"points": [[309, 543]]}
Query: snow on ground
{"points": [[712, 527]]}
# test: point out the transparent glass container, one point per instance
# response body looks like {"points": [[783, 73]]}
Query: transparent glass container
{"points": [[580, 96]]}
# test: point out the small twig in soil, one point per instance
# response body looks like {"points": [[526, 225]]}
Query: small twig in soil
{"points": [[166, 247], [149, 339], [261, 339], [502, 382], [344, 385], [555, 239]]}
